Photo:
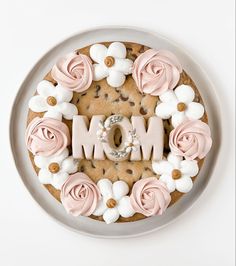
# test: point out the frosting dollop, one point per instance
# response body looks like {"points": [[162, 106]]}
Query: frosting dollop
{"points": [[73, 72], [150, 196], [80, 195], [47, 136], [156, 71], [191, 139]]}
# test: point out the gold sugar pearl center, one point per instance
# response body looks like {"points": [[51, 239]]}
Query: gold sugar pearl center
{"points": [[54, 168], [111, 203], [109, 61], [51, 100], [176, 174], [181, 107]]}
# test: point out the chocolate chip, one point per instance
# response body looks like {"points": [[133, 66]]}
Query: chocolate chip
{"points": [[129, 171], [134, 56], [147, 169], [131, 103], [116, 100], [142, 111], [96, 96], [106, 95], [141, 50], [103, 171], [84, 94], [117, 89], [98, 88], [123, 98], [81, 168], [78, 101]]}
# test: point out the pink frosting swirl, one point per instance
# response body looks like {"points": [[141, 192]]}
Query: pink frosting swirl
{"points": [[80, 195], [156, 71], [47, 136], [191, 139], [73, 72], [150, 196]]}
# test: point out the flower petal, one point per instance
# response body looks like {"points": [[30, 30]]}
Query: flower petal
{"points": [[194, 110], [162, 167], [125, 208], [105, 187], [184, 184], [178, 118], [68, 110], [59, 158], [38, 104], [111, 215], [117, 49], [101, 208], [46, 88], [98, 52], [165, 110], [189, 168], [99, 72], [120, 189], [174, 160], [115, 78], [45, 177], [62, 94], [123, 65], [59, 179], [184, 93], [168, 97], [170, 183], [53, 113], [69, 165], [41, 161]]}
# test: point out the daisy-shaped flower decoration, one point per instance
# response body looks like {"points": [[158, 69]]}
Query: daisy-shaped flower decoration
{"points": [[102, 131], [114, 202], [132, 142], [179, 105], [54, 100], [176, 173], [55, 170], [111, 63]]}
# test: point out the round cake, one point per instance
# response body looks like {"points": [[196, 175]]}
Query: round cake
{"points": [[117, 131]]}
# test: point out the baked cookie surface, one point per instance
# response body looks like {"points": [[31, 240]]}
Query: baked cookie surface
{"points": [[126, 100]]}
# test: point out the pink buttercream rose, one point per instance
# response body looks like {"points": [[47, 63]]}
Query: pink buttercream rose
{"points": [[156, 71], [47, 136], [74, 72], [80, 195], [191, 139], [150, 196]]}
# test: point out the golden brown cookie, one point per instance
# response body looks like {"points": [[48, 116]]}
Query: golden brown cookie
{"points": [[126, 100]]}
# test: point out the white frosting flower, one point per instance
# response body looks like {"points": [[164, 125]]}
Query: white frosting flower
{"points": [[55, 170], [179, 105], [176, 173], [114, 201], [103, 130], [132, 143], [54, 100], [111, 63]]}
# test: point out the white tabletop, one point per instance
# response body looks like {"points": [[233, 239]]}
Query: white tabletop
{"points": [[202, 236]]}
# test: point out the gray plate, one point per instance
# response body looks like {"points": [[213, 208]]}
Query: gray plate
{"points": [[18, 122]]}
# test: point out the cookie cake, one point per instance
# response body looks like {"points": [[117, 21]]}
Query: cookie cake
{"points": [[117, 131]]}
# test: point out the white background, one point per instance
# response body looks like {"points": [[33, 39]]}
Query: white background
{"points": [[202, 236]]}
